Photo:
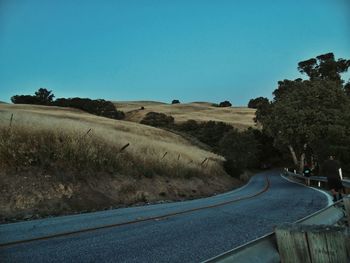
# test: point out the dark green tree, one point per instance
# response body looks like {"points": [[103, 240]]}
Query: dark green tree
{"points": [[157, 119], [24, 99], [225, 103], [347, 88], [258, 102], [311, 116], [309, 113], [324, 67], [44, 96], [240, 149]]}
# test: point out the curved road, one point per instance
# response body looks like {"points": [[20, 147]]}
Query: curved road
{"points": [[171, 232]]}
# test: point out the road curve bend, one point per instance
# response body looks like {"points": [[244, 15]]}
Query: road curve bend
{"points": [[189, 231]]}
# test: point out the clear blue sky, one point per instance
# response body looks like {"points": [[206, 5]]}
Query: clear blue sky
{"points": [[162, 50]]}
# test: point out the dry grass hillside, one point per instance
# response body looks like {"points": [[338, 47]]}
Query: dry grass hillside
{"points": [[239, 117], [60, 160]]}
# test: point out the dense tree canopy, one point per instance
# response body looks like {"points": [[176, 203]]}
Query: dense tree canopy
{"points": [[157, 119], [311, 115], [240, 150], [98, 107], [258, 102], [44, 97], [324, 67], [225, 103]]}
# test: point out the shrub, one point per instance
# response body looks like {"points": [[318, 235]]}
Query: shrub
{"points": [[156, 119], [190, 126], [225, 103], [258, 102], [98, 107], [209, 132], [240, 150]]}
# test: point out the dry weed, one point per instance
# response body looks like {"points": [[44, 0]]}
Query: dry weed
{"points": [[51, 138]]}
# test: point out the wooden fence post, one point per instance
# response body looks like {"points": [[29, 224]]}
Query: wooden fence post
{"points": [[292, 244], [347, 207], [312, 243], [11, 120], [327, 244]]}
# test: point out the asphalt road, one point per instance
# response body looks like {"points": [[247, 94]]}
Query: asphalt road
{"points": [[191, 236]]}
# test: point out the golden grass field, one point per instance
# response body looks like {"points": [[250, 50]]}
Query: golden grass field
{"points": [[49, 163], [239, 117], [145, 141]]}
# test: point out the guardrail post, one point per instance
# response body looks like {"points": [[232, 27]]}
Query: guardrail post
{"points": [[347, 207], [312, 243]]}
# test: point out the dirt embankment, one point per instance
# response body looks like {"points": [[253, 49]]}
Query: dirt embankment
{"points": [[34, 195]]}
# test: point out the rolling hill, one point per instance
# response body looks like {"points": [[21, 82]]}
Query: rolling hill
{"points": [[61, 160], [239, 117]]}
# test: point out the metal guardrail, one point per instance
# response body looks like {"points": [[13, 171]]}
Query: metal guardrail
{"points": [[264, 249], [345, 181]]}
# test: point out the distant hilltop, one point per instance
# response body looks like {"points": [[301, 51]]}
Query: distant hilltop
{"points": [[239, 117]]}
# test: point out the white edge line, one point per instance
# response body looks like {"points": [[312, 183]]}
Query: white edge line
{"points": [[329, 197]]}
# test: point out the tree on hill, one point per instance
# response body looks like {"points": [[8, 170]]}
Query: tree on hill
{"points": [[258, 102], [24, 99], [225, 103], [157, 119], [98, 107], [310, 115], [41, 97], [44, 96], [175, 102]]}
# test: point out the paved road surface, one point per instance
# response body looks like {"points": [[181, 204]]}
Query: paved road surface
{"points": [[187, 237]]}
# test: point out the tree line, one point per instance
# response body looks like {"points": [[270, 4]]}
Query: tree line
{"points": [[241, 149], [98, 107]]}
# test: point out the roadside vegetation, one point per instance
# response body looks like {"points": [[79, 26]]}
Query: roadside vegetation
{"points": [[306, 121], [247, 149], [53, 157], [63, 160], [310, 119]]}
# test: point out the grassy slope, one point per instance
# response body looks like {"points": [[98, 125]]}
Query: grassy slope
{"points": [[239, 117], [46, 192]]}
